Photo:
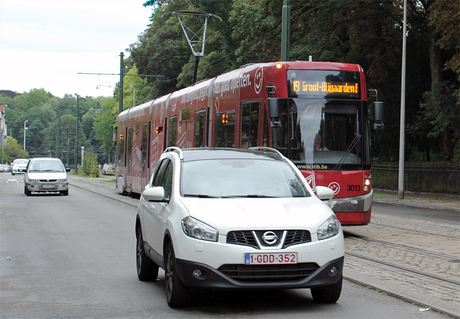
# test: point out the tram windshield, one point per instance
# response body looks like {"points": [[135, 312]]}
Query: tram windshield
{"points": [[323, 134]]}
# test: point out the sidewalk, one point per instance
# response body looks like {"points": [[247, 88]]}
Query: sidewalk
{"points": [[413, 199]]}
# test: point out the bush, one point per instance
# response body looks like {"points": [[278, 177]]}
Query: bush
{"points": [[90, 165]]}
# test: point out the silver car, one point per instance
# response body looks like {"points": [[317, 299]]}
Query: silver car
{"points": [[46, 175], [19, 166]]}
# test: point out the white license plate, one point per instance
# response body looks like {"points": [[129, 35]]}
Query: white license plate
{"points": [[48, 186], [270, 259]]}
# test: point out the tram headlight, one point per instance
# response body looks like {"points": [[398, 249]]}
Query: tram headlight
{"points": [[329, 228], [367, 183]]}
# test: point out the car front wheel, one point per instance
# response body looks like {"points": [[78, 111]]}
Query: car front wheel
{"points": [[147, 270], [328, 294], [177, 294]]}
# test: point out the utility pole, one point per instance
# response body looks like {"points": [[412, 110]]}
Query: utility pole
{"points": [[76, 136], [285, 30], [25, 129], [402, 123], [57, 137], [120, 93], [134, 94]]}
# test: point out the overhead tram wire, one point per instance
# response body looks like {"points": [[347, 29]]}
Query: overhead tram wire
{"points": [[148, 75], [293, 18]]}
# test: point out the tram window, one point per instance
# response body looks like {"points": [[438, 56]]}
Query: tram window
{"points": [[249, 124], [129, 146], [172, 131], [185, 114], [199, 127], [145, 136], [224, 135]]}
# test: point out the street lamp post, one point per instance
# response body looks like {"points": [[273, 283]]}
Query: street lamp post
{"points": [[134, 94], [25, 129], [76, 134]]}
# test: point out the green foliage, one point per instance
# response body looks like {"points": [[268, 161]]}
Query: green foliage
{"points": [[365, 32], [104, 125], [90, 165], [12, 150]]}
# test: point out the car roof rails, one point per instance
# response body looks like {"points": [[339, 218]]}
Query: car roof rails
{"points": [[268, 150], [175, 149]]}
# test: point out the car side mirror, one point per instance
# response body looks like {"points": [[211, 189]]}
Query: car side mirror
{"points": [[324, 193], [154, 194]]}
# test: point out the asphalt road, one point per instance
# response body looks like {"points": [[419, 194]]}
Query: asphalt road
{"points": [[74, 257]]}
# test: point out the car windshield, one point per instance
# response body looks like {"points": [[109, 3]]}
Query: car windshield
{"points": [[240, 178], [21, 161], [46, 166]]}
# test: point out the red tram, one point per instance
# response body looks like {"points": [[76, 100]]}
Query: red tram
{"points": [[315, 113]]}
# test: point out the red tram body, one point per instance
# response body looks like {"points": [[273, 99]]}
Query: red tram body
{"points": [[315, 113]]}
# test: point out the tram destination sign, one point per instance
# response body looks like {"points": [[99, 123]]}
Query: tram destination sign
{"points": [[326, 84]]}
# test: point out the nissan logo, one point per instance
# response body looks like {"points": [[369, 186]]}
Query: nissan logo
{"points": [[270, 238]]}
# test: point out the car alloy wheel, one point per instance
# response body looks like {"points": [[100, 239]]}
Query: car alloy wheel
{"points": [[147, 270], [177, 294]]}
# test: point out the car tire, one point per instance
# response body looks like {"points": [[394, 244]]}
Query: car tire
{"points": [[65, 193], [147, 270], [177, 294], [26, 191], [328, 294]]}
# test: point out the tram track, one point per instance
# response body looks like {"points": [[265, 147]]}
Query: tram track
{"points": [[451, 258], [394, 258], [406, 269], [421, 231]]}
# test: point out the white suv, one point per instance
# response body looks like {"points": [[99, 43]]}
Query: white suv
{"points": [[232, 218]]}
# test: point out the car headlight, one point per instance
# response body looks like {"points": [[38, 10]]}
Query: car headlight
{"points": [[33, 180], [62, 180], [329, 228], [199, 230]]}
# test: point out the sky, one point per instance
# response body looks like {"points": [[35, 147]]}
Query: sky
{"points": [[45, 44]]}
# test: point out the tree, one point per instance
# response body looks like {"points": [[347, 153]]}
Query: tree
{"points": [[104, 125], [13, 150]]}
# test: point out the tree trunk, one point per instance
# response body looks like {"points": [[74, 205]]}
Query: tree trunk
{"points": [[436, 83]]}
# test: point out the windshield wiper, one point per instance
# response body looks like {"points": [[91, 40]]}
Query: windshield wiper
{"points": [[348, 151], [249, 196], [199, 195]]}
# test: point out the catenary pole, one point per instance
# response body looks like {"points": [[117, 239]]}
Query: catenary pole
{"points": [[285, 30], [403, 111], [76, 135], [120, 93]]}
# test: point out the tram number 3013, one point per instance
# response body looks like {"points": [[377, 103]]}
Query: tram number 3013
{"points": [[353, 188]]}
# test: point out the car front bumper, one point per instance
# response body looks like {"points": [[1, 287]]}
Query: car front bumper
{"points": [[201, 276], [47, 187]]}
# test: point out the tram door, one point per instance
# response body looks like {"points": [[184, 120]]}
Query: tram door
{"points": [[250, 113]]}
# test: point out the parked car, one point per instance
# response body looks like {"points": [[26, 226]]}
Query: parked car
{"points": [[108, 169], [236, 219], [46, 174], [19, 166]]}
